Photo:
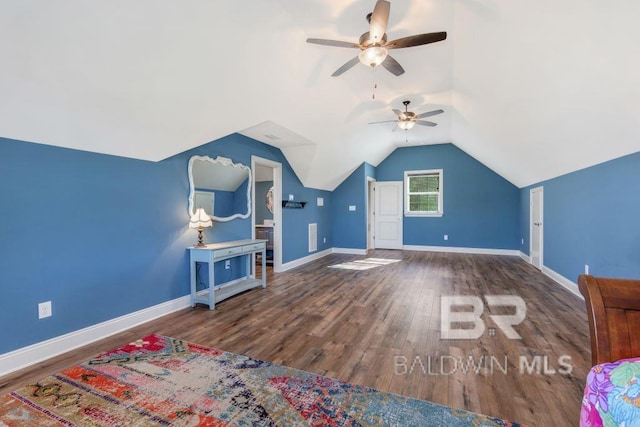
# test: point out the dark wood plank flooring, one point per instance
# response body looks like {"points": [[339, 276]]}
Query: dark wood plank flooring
{"points": [[381, 328]]}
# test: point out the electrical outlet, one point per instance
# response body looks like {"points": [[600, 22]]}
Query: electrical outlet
{"points": [[44, 310], [446, 237], [586, 269], [352, 208], [227, 264]]}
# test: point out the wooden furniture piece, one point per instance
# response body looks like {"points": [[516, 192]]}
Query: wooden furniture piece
{"points": [[613, 308], [215, 252]]}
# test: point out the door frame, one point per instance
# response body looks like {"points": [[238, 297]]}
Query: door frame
{"points": [[540, 228], [371, 203], [277, 207]]}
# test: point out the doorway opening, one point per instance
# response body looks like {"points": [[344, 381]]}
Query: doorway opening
{"points": [[266, 215]]}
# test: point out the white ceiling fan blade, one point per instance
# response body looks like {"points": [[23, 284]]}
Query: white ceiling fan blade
{"points": [[379, 20], [392, 66], [346, 67], [384, 121], [429, 114], [335, 43], [426, 123]]}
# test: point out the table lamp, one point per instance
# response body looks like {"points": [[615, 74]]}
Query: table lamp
{"points": [[200, 220]]}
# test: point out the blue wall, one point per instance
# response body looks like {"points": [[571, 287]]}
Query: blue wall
{"points": [[103, 236], [298, 220], [350, 227], [591, 216], [480, 207]]}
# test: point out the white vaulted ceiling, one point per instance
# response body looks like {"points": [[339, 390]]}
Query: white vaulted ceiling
{"points": [[531, 89]]}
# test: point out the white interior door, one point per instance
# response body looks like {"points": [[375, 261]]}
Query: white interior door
{"points": [[536, 228], [388, 215]]}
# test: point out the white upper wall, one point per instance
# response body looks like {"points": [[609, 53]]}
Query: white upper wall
{"points": [[533, 90], [548, 87]]}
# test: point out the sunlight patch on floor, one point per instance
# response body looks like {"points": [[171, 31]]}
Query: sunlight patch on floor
{"points": [[364, 264]]}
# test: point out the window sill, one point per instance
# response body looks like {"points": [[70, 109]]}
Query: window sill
{"points": [[416, 214]]}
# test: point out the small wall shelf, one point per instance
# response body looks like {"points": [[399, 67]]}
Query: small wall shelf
{"points": [[290, 204]]}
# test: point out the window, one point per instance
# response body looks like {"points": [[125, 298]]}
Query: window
{"points": [[423, 193]]}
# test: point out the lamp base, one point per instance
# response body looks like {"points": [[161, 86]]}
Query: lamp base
{"points": [[200, 243]]}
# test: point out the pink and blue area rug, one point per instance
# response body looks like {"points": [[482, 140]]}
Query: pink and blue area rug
{"points": [[166, 381]]}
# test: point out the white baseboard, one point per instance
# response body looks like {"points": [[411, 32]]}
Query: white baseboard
{"points": [[301, 261], [26, 356], [349, 251], [453, 249], [525, 257], [562, 281]]}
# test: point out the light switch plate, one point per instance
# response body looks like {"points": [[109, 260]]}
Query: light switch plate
{"points": [[352, 207]]}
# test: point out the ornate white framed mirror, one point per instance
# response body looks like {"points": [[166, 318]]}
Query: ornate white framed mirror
{"points": [[219, 186]]}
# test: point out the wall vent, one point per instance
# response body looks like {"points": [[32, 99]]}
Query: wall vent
{"points": [[313, 237]]}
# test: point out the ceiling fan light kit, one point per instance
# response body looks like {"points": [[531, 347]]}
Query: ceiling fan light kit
{"points": [[406, 124], [373, 56]]}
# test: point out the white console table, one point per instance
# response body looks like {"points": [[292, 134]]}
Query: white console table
{"points": [[215, 252]]}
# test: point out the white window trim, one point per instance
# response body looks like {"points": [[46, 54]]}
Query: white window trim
{"points": [[440, 198]]}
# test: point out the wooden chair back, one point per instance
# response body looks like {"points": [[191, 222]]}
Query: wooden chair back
{"points": [[613, 308]]}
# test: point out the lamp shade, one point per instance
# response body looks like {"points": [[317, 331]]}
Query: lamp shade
{"points": [[200, 219]]}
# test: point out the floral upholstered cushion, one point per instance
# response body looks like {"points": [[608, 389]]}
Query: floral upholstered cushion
{"points": [[612, 395]]}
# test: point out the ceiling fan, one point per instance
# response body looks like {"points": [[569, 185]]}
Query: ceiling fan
{"points": [[374, 46], [408, 119]]}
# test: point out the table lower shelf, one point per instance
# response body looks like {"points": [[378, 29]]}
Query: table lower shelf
{"points": [[225, 291]]}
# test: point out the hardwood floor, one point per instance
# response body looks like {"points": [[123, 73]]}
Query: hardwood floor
{"points": [[381, 328]]}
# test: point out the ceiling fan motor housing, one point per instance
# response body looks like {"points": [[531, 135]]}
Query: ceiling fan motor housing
{"points": [[365, 40]]}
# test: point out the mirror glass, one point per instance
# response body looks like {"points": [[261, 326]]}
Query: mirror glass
{"points": [[219, 186]]}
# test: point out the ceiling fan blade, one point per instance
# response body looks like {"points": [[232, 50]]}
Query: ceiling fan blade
{"points": [[335, 43], [379, 20], [397, 112], [392, 66], [345, 67], [425, 123], [429, 114], [416, 40], [385, 121]]}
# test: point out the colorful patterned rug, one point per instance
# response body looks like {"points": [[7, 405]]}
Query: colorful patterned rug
{"points": [[165, 381]]}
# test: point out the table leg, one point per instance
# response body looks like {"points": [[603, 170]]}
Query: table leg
{"points": [[264, 268], [193, 282], [212, 282]]}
